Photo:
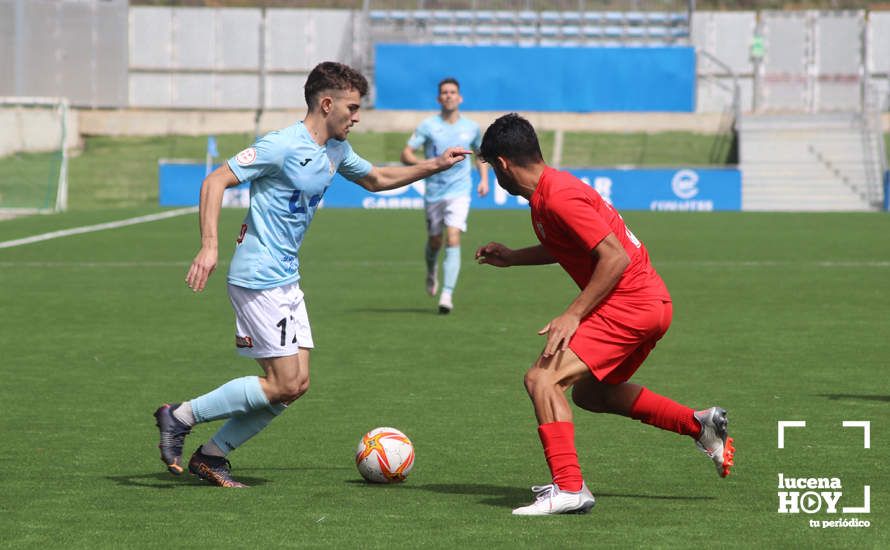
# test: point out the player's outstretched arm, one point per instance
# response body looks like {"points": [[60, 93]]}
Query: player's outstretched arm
{"points": [[212, 191], [499, 255], [381, 178]]}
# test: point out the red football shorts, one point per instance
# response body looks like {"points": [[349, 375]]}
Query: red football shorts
{"points": [[615, 340]]}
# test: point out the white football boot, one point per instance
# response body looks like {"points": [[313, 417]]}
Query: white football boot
{"points": [[445, 305], [550, 500], [714, 440]]}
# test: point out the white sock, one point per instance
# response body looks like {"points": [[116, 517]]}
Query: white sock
{"points": [[184, 414], [211, 449]]}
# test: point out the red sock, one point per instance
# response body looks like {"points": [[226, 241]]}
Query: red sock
{"points": [[558, 439], [661, 412]]}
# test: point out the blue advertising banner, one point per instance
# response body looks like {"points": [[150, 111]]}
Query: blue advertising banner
{"points": [[514, 78], [684, 189], [179, 184]]}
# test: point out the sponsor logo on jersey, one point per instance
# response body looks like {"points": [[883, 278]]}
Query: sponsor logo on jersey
{"points": [[243, 341], [332, 166], [305, 162], [246, 157]]}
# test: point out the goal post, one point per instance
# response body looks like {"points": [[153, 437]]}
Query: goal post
{"points": [[34, 143]]}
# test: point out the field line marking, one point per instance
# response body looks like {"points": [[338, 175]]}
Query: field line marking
{"points": [[97, 227]]}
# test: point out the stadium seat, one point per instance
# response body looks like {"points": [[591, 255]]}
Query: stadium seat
{"points": [[613, 32], [377, 16], [463, 16], [571, 31], [505, 17], [635, 18], [679, 18], [593, 32], [657, 32], [549, 31], [551, 18], [442, 16], [680, 32], [614, 17], [527, 31], [593, 17], [571, 18], [442, 30], [463, 31], [635, 32], [505, 31], [658, 18], [484, 17], [485, 31], [398, 16], [421, 17], [528, 17]]}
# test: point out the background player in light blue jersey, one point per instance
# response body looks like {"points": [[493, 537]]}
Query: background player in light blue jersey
{"points": [[289, 171], [446, 194]]}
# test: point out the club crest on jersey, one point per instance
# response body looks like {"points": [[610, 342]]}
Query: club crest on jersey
{"points": [[243, 341], [246, 157]]}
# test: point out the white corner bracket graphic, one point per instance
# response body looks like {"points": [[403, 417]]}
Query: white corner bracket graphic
{"points": [[866, 430], [788, 424], [866, 503]]}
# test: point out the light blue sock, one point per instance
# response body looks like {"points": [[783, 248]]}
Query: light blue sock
{"points": [[238, 396], [451, 267], [239, 429], [431, 257]]}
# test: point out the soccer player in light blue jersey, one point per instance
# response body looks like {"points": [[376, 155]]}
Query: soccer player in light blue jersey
{"points": [[289, 171], [447, 193]]}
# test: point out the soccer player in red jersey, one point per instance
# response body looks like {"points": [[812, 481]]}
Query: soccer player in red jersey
{"points": [[604, 335]]}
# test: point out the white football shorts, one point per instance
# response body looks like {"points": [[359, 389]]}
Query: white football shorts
{"points": [[451, 212], [271, 322]]}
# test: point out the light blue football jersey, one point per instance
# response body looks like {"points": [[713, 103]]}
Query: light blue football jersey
{"points": [[289, 174], [436, 135]]}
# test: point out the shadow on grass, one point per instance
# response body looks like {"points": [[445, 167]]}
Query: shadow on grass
{"points": [[855, 396], [163, 480], [505, 497]]}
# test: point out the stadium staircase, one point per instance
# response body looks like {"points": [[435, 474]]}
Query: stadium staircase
{"points": [[810, 162]]}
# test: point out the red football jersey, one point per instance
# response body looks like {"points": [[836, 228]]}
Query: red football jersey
{"points": [[570, 219]]}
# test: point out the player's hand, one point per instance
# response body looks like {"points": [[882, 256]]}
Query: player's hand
{"points": [[494, 254], [202, 267], [559, 331], [452, 156], [482, 189]]}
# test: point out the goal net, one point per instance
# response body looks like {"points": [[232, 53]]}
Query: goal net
{"points": [[33, 154]]}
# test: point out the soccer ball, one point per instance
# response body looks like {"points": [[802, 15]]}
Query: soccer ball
{"points": [[384, 455]]}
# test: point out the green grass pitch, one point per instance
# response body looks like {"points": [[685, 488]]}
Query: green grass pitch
{"points": [[777, 317]]}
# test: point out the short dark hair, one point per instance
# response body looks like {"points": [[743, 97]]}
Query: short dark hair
{"points": [[449, 80], [511, 137], [330, 75]]}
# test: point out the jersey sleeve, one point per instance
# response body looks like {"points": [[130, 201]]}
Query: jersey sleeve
{"points": [[353, 167], [264, 157], [419, 137], [574, 213]]}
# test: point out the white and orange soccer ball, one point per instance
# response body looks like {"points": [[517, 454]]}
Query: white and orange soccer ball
{"points": [[384, 455]]}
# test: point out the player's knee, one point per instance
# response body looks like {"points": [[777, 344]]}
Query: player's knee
{"points": [[293, 389], [537, 380]]}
